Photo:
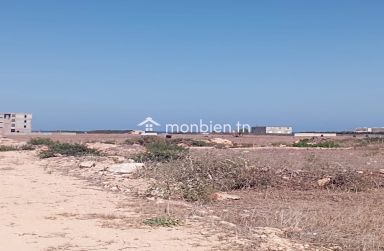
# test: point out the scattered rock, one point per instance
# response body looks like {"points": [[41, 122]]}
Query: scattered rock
{"points": [[224, 196], [324, 182], [87, 164], [125, 168]]}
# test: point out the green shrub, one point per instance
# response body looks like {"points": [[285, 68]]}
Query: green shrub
{"points": [[67, 149], [41, 142], [162, 222], [162, 152]]}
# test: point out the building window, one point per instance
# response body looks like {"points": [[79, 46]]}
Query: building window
{"points": [[13, 115], [13, 130], [13, 120], [13, 125], [25, 116], [25, 121], [25, 126]]}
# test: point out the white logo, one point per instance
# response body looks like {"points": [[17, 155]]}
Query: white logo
{"points": [[149, 123]]}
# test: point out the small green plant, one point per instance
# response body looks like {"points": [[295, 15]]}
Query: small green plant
{"points": [[67, 149], [41, 142], [8, 148], [162, 152], [162, 222]]}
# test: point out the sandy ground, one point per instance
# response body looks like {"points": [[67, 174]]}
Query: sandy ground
{"points": [[46, 211]]}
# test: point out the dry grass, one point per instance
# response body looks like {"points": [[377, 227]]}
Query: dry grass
{"points": [[351, 221], [279, 189]]}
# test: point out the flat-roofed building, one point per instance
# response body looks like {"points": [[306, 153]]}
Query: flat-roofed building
{"points": [[272, 130], [13, 123]]}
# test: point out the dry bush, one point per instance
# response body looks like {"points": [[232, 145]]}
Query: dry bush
{"points": [[196, 178]]}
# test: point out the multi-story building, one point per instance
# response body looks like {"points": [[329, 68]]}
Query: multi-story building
{"points": [[11, 123]]}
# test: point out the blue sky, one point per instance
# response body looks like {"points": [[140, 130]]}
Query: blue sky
{"points": [[315, 65]]}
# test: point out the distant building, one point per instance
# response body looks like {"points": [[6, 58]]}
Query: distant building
{"points": [[272, 130], [13, 123], [370, 130], [363, 130]]}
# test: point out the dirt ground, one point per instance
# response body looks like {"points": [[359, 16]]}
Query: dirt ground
{"points": [[47, 211]]}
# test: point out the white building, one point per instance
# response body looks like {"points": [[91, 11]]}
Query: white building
{"points": [[272, 130], [13, 123]]}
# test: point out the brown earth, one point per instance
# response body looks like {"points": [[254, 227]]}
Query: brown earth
{"points": [[42, 210]]}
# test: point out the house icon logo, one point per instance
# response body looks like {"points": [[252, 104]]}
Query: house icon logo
{"points": [[149, 123]]}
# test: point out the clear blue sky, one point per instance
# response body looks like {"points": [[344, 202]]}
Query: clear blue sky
{"points": [[315, 65]]}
